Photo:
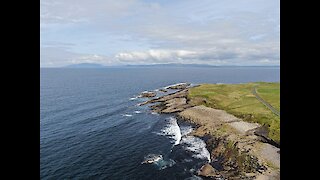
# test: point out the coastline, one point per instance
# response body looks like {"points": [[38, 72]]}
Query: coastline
{"points": [[237, 151]]}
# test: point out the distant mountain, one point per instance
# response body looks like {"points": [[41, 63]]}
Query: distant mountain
{"points": [[95, 65], [195, 65], [172, 65], [86, 65]]}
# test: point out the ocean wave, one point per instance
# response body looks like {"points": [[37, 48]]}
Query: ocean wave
{"points": [[197, 146], [172, 130], [137, 112], [127, 115]]}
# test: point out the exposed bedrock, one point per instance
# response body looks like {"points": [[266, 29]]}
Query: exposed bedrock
{"points": [[238, 149], [148, 94]]}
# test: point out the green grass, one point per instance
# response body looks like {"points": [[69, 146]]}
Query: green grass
{"points": [[270, 92], [237, 99]]}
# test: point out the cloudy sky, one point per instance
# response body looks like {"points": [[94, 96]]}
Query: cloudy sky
{"points": [[118, 32]]}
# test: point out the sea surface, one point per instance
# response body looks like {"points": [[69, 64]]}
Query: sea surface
{"points": [[92, 128]]}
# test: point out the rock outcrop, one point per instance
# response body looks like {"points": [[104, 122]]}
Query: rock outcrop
{"points": [[163, 90], [263, 132], [179, 86], [171, 106], [163, 99], [235, 145], [148, 94], [207, 171]]}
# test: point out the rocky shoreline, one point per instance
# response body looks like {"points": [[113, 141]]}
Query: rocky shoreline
{"points": [[239, 150]]}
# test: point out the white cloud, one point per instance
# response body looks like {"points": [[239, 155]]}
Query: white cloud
{"points": [[214, 56], [137, 32], [81, 11], [268, 62], [264, 61], [155, 55]]}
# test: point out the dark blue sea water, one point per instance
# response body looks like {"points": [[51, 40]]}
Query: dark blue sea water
{"points": [[92, 128]]}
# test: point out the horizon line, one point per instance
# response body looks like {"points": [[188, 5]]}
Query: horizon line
{"points": [[150, 65]]}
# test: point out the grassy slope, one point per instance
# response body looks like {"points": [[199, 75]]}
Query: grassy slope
{"points": [[238, 100]]}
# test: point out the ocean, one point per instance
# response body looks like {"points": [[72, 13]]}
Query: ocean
{"points": [[92, 128]]}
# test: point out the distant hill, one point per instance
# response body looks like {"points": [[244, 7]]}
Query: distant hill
{"points": [[171, 65], [86, 65], [95, 65], [195, 65]]}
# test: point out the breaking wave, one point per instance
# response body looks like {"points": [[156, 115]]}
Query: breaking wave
{"points": [[172, 130], [197, 146], [185, 130]]}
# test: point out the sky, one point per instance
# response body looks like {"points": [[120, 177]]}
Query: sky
{"points": [[122, 32]]}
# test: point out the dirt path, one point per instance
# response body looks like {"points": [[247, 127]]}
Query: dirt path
{"points": [[254, 92]]}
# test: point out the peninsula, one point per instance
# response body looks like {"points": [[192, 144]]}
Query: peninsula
{"points": [[240, 124]]}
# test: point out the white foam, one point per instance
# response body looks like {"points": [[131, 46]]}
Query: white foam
{"points": [[154, 113], [134, 98], [152, 158], [172, 130], [158, 160], [137, 112], [126, 115], [185, 130], [197, 146], [192, 170], [163, 164]]}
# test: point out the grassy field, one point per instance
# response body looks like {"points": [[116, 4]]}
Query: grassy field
{"points": [[270, 92], [237, 99]]}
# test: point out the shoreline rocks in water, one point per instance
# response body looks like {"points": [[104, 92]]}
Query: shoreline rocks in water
{"points": [[151, 158], [163, 90], [148, 94], [235, 147], [179, 86], [172, 103]]}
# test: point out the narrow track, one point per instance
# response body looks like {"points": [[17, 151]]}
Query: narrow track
{"points": [[254, 92]]}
